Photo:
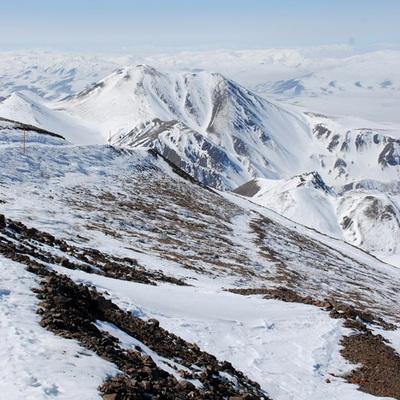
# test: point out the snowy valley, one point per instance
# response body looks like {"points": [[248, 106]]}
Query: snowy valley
{"points": [[192, 236]]}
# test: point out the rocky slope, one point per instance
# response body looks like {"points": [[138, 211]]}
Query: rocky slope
{"points": [[86, 217], [130, 216]]}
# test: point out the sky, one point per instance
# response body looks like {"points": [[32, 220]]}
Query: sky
{"points": [[118, 24]]}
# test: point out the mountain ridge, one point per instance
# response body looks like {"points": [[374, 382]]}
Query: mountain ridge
{"points": [[224, 136]]}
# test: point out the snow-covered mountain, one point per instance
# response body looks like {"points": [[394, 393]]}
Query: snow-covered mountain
{"points": [[328, 79], [50, 74], [305, 199], [369, 219], [225, 136], [208, 125], [365, 85]]}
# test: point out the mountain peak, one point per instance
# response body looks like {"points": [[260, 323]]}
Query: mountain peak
{"points": [[314, 179], [141, 68]]}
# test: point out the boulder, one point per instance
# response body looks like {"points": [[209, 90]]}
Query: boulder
{"points": [[3, 222], [186, 385]]}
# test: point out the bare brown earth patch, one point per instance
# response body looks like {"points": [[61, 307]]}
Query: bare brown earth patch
{"points": [[38, 245], [379, 373]]}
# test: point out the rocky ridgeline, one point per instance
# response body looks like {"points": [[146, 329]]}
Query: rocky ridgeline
{"points": [[39, 244], [70, 310]]}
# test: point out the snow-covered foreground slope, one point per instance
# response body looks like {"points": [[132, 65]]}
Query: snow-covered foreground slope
{"points": [[289, 348], [135, 210], [36, 364]]}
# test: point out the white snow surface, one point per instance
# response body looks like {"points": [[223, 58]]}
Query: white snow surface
{"points": [[34, 363], [290, 349]]}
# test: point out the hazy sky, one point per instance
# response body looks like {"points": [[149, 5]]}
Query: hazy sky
{"points": [[115, 24]]}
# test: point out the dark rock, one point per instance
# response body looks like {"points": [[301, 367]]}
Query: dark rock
{"points": [[14, 227], [3, 222], [104, 304], [146, 385], [186, 385], [110, 396], [148, 361], [154, 322]]}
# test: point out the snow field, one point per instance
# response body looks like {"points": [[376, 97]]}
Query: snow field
{"points": [[290, 349]]}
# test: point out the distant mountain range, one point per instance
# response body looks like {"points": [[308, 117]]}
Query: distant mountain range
{"points": [[327, 79]]}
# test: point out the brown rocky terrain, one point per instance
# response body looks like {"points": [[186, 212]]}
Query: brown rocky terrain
{"points": [[69, 310], [144, 211]]}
